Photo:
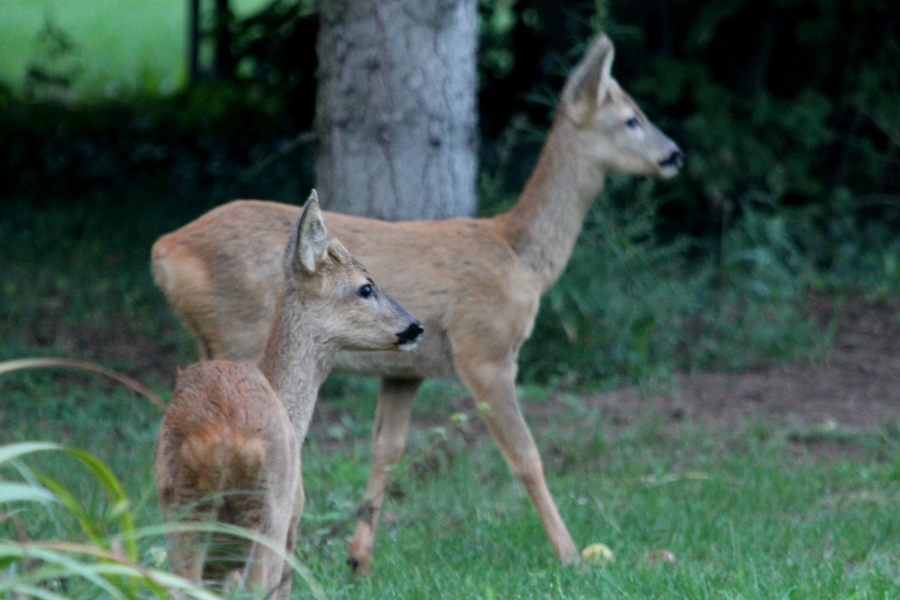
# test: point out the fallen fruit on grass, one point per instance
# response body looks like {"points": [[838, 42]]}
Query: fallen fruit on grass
{"points": [[661, 556], [598, 554]]}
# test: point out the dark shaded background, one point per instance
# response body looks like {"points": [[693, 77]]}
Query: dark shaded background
{"points": [[779, 101], [788, 112]]}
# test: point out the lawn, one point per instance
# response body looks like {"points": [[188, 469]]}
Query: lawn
{"points": [[750, 514], [118, 45], [756, 511]]}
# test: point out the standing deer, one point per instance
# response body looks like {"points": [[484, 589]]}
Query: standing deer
{"points": [[229, 444], [475, 283]]}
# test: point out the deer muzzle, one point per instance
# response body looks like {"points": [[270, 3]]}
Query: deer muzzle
{"points": [[670, 165], [409, 337]]}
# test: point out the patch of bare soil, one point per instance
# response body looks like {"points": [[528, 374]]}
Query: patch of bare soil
{"points": [[856, 385]]}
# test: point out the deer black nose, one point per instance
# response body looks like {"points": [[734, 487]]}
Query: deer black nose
{"points": [[675, 159], [412, 333]]}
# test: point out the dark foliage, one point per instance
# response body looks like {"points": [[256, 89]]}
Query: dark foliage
{"points": [[273, 50], [204, 139], [788, 111], [776, 102]]}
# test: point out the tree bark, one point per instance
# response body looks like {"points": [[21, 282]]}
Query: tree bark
{"points": [[395, 111]]}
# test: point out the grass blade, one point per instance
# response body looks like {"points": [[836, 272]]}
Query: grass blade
{"points": [[13, 451], [30, 591], [120, 502], [51, 363], [223, 528], [22, 492], [63, 561]]}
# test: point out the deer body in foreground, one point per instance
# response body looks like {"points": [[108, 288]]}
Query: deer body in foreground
{"points": [[475, 283], [229, 445]]}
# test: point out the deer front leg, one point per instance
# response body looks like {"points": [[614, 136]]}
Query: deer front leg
{"points": [[492, 384], [395, 400]]}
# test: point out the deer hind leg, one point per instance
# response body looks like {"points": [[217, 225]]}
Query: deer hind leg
{"points": [[492, 384], [265, 568], [395, 400], [265, 565], [187, 553], [187, 550]]}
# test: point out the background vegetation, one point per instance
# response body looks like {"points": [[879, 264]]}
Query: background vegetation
{"points": [[789, 114], [791, 132]]}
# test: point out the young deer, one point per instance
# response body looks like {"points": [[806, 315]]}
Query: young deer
{"points": [[475, 283], [229, 445]]}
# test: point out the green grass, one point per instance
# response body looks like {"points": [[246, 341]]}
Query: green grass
{"points": [[119, 45], [752, 514]]}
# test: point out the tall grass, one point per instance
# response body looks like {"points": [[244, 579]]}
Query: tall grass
{"points": [[634, 307], [103, 558]]}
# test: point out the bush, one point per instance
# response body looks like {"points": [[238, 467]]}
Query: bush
{"points": [[632, 306], [205, 139]]}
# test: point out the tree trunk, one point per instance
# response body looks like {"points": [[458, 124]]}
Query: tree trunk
{"points": [[395, 112]]}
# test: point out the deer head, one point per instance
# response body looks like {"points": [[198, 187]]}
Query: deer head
{"points": [[616, 134], [349, 310]]}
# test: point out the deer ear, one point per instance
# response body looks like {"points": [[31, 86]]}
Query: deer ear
{"points": [[590, 81], [311, 237]]}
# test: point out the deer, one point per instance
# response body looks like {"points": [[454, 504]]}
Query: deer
{"points": [[229, 444], [476, 283]]}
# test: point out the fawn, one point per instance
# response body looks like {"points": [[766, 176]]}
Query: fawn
{"points": [[475, 283], [229, 444]]}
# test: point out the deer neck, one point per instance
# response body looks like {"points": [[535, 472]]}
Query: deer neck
{"points": [[296, 363], [544, 224]]}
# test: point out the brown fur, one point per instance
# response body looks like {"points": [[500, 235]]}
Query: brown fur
{"points": [[229, 445], [475, 283]]}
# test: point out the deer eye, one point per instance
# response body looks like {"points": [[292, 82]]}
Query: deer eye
{"points": [[632, 123], [367, 291]]}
